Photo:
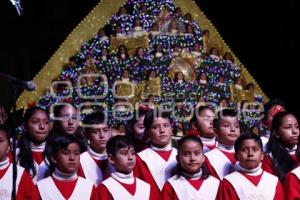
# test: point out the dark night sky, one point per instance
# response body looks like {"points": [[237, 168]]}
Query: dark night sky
{"points": [[260, 32]]}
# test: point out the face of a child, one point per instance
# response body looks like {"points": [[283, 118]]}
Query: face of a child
{"points": [[180, 76], [104, 52], [68, 160], [196, 46], [139, 128], [203, 76], [38, 126], [288, 132], [189, 29], [101, 33], [250, 154], [160, 132], [173, 25], [70, 121], [98, 135], [191, 157], [155, 27], [137, 22], [125, 74], [205, 123], [140, 52], [228, 130], [4, 146], [152, 74], [124, 160]]}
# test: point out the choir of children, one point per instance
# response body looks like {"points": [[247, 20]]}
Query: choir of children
{"points": [[232, 166]]}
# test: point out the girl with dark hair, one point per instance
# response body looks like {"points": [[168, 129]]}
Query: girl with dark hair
{"points": [[136, 129], [66, 121], [203, 121], [64, 156], [33, 141], [281, 155], [122, 53], [192, 180], [25, 189], [155, 163]]}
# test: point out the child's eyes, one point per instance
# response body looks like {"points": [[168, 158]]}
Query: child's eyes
{"points": [[123, 152], [133, 152], [66, 152]]}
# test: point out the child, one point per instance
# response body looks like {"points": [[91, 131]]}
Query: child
{"points": [[271, 108], [32, 143], [66, 121], [154, 164], [192, 180], [281, 149], [137, 130], [250, 181], [122, 184], [292, 184], [220, 161], [203, 119], [25, 188], [94, 162], [64, 162]]}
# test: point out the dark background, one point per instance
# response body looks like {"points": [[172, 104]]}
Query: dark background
{"points": [[261, 33]]}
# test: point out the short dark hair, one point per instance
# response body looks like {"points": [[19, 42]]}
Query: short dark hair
{"points": [[152, 114], [247, 136], [58, 142], [117, 142], [94, 118], [199, 110], [223, 113], [188, 138]]}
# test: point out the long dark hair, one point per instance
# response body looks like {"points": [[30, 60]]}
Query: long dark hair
{"points": [[56, 123], [119, 51], [25, 155], [137, 115], [57, 129], [179, 170], [281, 159]]}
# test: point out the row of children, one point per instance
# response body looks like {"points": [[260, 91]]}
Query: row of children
{"points": [[107, 166]]}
